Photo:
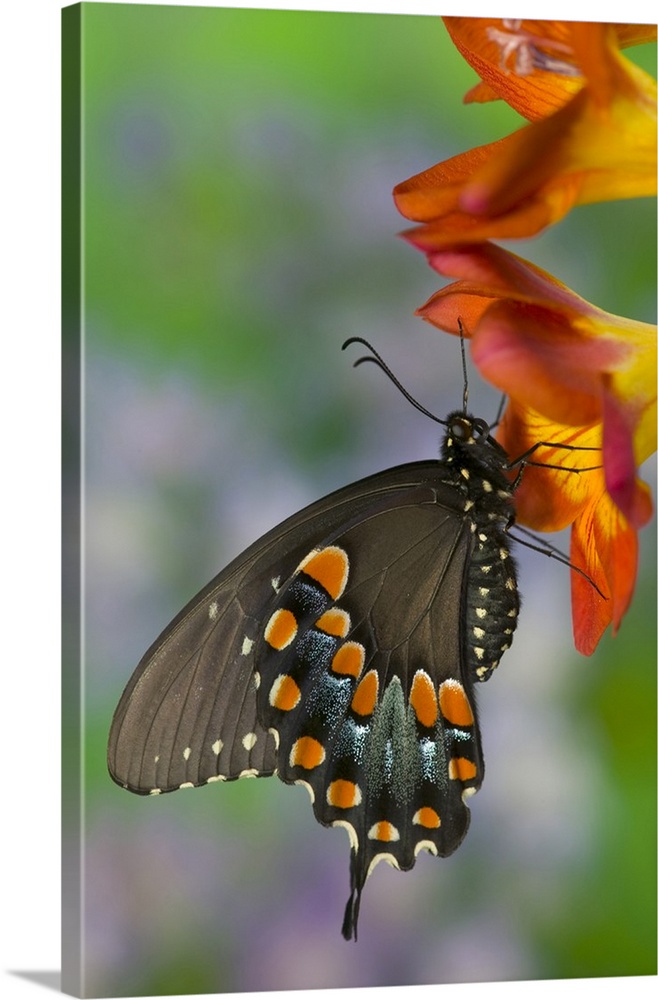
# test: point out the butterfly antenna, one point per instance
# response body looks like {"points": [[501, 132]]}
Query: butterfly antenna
{"points": [[376, 359], [499, 414], [464, 368]]}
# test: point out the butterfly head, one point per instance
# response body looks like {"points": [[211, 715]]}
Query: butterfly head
{"points": [[468, 442]]}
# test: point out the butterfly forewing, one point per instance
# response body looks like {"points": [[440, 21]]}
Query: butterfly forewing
{"points": [[188, 713], [185, 715]]}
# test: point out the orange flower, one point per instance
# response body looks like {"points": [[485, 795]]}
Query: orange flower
{"points": [[576, 376], [603, 542], [535, 66], [592, 137]]}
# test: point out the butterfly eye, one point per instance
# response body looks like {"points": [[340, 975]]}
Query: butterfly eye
{"points": [[461, 429]]}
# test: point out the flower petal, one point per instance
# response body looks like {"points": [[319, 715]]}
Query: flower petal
{"points": [[533, 355], [603, 541], [537, 66], [502, 52], [630, 495], [552, 494], [593, 138]]}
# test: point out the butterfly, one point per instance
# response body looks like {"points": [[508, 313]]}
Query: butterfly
{"points": [[341, 651]]}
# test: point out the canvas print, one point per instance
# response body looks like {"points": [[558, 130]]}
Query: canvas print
{"points": [[359, 349]]}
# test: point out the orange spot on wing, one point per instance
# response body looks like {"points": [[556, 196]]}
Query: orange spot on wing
{"points": [[462, 769], [423, 699], [384, 831], [343, 794], [349, 660], [281, 629], [365, 696], [427, 817], [455, 706], [334, 622], [329, 567], [285, 693], [306, 752]]}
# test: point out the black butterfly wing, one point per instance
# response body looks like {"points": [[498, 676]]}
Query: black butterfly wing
{"points": [[332, 652], [188, 714]]}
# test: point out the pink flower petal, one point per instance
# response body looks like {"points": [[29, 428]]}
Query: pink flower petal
{"points": [[619, 462]]}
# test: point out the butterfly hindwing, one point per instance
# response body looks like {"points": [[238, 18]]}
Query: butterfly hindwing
{"points": [[362, 675]]}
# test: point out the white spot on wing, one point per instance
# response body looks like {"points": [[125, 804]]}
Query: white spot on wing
{"points": [[425, 845], [384, 856], [275, 737], [351, 832], [213, 610], [217, 746], [247, 645], [308, 788], [249, 741]]}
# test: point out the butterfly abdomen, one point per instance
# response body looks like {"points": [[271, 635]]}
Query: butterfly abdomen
{"points": [[491, 604]]}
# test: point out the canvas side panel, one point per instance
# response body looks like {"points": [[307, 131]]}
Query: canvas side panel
{"points": [[71, 505]]}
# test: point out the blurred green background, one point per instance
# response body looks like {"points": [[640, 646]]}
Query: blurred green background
{"points": [[238, 226]]}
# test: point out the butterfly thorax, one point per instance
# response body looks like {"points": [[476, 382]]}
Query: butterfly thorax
{"points": [[479, 464], [476, 464]]}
